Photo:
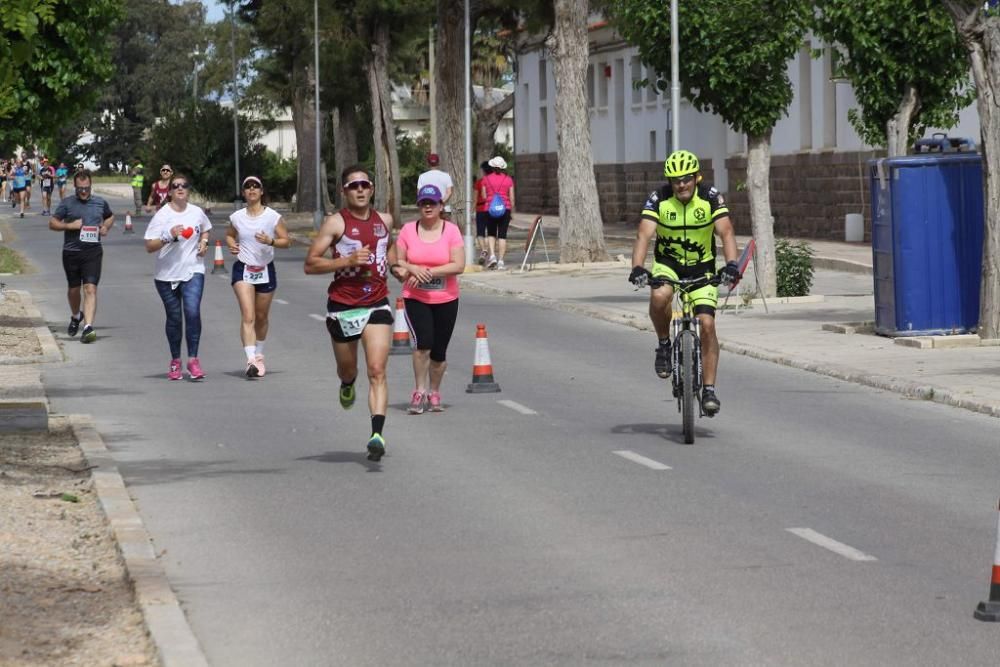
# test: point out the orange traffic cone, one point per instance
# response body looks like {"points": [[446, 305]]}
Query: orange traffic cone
{"points": [[400, 331], [990, 610], [482, 367], [219, 266], [128, 224]]}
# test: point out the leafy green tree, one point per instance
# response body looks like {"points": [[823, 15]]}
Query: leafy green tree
{"points": [[54, 55], [978, 27], [905, 63], [734, 63], [198, 141]]}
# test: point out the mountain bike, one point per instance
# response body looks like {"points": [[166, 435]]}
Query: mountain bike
{"points": [[685, 351]]}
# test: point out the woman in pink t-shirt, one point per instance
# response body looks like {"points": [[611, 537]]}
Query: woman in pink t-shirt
{"points": [[497, 183], [430, 253]]}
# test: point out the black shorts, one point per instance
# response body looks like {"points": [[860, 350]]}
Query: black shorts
{"points": [[261, 288], [498, 226], [47, 189], [482, 221], [83, 266], [432, 325], [382, 316]]}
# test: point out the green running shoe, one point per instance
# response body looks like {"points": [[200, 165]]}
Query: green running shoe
{"points": [[376, 447], [89, 335], [347, 396]]}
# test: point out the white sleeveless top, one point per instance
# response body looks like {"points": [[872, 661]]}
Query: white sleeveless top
{"points": [[252, 251]]}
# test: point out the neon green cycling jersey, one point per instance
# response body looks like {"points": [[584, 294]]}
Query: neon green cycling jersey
{"points": [[684, 232]]}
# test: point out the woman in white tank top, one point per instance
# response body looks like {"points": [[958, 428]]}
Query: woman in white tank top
{"points": [[253, 234]]}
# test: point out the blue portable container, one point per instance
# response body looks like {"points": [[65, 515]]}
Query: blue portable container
{"points": [[927, 243]]}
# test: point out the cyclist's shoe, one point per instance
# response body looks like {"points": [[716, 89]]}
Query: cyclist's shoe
{"points": [[416, 403], [347, 396], [434, 402], [74, 325], [194, 369], [662, 362], [710, 403], [175, 370], [376, 447], [88, 335], [252, 370], [259, 360]]}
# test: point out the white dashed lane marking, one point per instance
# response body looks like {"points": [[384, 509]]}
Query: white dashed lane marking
{"points": [[517, 407], [321, 318], [833, 545], [281, 301], [642, 460]]}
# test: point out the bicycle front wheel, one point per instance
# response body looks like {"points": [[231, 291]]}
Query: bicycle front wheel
{"points": [[687, 385]]}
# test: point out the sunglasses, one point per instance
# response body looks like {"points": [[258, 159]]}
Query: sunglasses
{"points": [[166, 171], [253, 186], [83, 190], [180, 186], [358, 185], [683, 180]]}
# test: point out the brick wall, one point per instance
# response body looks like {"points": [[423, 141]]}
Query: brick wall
{"points": [[810, 192]]}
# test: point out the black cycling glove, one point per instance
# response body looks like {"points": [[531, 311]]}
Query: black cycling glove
{"points": [[639, 276], [730, 274]]}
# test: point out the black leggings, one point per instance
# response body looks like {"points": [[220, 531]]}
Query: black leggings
{"points": [[432, 325]]}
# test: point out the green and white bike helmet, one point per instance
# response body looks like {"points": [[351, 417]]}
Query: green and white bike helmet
{"points": [[681, 163]]}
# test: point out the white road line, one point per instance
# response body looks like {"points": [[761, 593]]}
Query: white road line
{"points": [[833, 545], [281, 301], [517, 407], [321, 318], [642, 460]]}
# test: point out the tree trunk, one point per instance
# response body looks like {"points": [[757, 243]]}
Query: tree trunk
{"points": [[581, 231], [304, 119], [761, 222], [449, 102], [345, 144], [898, 127], [487, 121], [387, 194], [981, 36]]}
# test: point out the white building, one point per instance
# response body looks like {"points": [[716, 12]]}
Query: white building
{"points": [[818, 165]]}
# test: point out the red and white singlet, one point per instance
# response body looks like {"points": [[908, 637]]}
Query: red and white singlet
{"points": [[361, 285]]}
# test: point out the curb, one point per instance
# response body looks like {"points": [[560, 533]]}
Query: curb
{"points": [[176, 645], [884, 382], [50, 348]]}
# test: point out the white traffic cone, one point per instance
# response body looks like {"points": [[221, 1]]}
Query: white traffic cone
{"points": [[128, 224], [218, 266], [482, 367], [400, 331]]}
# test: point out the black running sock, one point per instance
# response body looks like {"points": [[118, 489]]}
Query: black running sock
{"points": [[378, 423], [709, 387], [665, 341]]}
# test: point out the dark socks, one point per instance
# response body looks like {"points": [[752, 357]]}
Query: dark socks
{"points": [[378, 423]]}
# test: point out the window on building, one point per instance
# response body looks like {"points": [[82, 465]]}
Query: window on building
{"points": [[805, 97], [590, 86], [603, 74], [652, 146], [651, 88], [543, 81], [543, 130], [636, 68]]}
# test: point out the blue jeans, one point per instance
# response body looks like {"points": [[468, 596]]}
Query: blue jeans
{"points": [[187, 297]]}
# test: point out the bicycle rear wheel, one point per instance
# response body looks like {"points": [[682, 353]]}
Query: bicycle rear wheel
{"points": [[687, 385]]}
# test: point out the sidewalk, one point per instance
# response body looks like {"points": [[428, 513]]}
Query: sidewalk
{"points": [[819, 333]]}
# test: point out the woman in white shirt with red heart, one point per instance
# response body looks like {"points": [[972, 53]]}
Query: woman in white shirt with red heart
{"points": [[253, 234], [178, 233]]}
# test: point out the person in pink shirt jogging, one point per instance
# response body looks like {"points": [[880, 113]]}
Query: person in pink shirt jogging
{"points": [[430, 254]]}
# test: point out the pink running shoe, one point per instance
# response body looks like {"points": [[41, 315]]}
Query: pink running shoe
{"points": [[434, 402], [194, 369], [259, 360], [175, 370], [416, 403]]}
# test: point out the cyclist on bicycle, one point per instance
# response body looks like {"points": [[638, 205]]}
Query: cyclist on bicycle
{"points": [[682, 217]]}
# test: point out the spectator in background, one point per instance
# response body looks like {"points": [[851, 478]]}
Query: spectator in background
{"points": [[138, 179], [482, 217], [159, 194], [439, 179], [498, 191]]}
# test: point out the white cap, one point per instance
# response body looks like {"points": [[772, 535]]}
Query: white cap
{"points": [[498, 163]]}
